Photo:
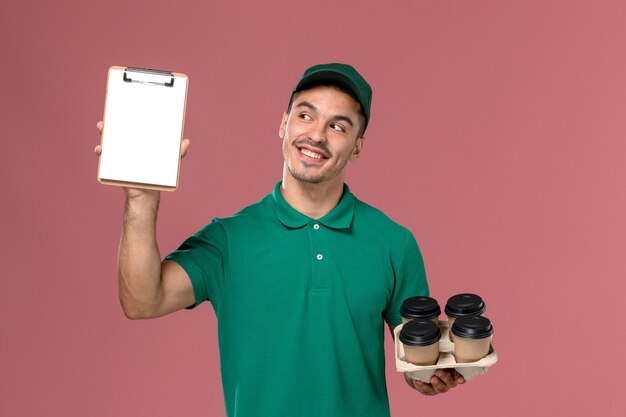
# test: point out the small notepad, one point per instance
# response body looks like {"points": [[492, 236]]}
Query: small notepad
{"points": [[144, 116]]}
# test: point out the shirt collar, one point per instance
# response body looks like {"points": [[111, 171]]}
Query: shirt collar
{"points": [[339, 217]]}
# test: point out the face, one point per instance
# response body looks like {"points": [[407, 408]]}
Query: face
{"points": [[320, 135]]}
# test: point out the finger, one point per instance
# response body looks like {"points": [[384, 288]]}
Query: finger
{"points": [[446, 377], [184, 145], [438, 385], [423, 387], [97, 150], [458, 377], [100, 125]]}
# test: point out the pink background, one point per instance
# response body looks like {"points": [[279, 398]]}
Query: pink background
{"points": [[497, 137]]}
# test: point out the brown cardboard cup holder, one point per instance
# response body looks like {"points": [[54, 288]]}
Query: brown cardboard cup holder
{"points": [[446, 360]]}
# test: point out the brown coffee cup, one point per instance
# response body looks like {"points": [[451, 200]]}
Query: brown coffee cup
{"points": [[421, 342], [420, 307], [472, 338], [463, 305]]}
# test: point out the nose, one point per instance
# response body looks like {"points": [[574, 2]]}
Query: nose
{"points": [[318, 133]]}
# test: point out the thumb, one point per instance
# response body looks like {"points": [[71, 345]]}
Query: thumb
{"points": [[184, 146]]}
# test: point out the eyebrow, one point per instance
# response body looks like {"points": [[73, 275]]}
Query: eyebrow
{"points": [[336, 117]]}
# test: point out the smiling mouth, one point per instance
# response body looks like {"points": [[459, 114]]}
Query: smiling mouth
{"points": [[312, 154]]}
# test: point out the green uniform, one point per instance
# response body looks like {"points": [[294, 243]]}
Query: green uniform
{"points": [[301, 304]]}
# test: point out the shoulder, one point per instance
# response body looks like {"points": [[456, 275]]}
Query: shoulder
{"points": [[255, 213], [388, 236], [246, 222], [373, 217]]}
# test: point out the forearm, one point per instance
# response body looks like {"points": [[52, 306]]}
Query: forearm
{"points": [[139, 260]]}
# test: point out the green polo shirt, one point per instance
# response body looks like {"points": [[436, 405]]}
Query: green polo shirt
{"points": [[301, 304]]}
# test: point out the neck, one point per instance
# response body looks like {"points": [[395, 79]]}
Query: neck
{"points": [[312, 200]]}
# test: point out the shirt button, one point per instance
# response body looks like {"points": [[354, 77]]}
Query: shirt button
{"points": [[319, 256], [316, 226]]}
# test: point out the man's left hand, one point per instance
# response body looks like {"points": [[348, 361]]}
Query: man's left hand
{"points": [[442, 381]]}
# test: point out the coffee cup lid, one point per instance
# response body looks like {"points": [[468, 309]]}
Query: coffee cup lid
{"points": [[420, 307], [420, 332], [465, 304], [472, 327]]}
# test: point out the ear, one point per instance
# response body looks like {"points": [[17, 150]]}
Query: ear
{"points": [[283, 126], [356, 151]]}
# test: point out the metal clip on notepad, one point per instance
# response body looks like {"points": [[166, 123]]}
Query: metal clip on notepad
{"points": [[148, 76]]}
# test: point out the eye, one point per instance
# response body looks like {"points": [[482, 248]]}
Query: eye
{"points": [[305, 116], [337, 127]]}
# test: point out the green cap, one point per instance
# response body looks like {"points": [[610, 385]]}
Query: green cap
{"points": [[345, 76]]}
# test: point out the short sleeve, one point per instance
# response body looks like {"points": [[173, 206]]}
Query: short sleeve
{"points": [[410, 279], [203, 257]]}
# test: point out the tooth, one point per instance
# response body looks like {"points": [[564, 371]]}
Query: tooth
{"points": [[311, 154]]}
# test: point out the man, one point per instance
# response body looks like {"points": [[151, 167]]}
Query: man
{"points": [[302, 281]]}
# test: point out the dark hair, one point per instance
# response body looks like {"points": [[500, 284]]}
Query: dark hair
{"points": [[335, 86]]}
